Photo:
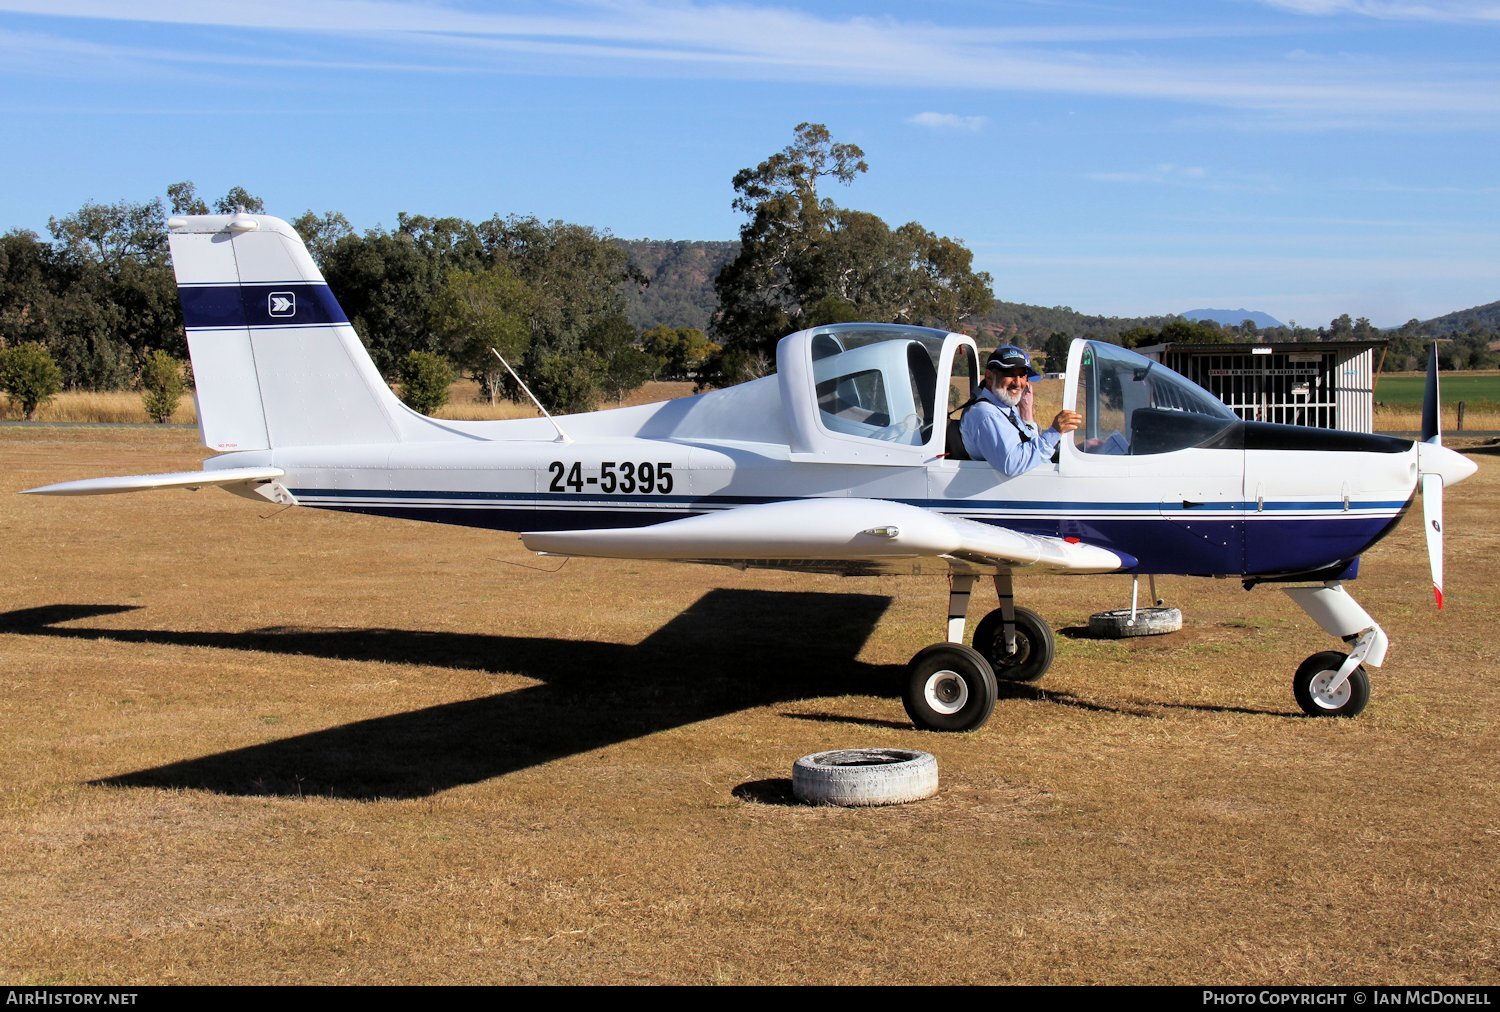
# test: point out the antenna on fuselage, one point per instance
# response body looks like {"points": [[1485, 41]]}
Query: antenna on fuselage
{"points": [[562, 437]]}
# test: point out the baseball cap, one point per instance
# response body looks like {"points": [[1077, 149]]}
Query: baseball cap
{"points": [[1008, 356]]}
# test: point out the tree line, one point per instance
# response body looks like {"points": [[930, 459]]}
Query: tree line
{"points": [[443, 292], [435, 295]]}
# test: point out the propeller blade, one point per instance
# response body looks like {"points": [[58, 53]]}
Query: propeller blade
{"points": [[1432, 522], [1432, 409]]}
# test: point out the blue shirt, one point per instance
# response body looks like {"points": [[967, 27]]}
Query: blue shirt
{"points": [[990, 435]]}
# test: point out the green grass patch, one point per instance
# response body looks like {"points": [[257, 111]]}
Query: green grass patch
{"points": [[1476, 390]]}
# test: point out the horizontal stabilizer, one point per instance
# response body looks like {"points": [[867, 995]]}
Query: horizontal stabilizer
{"points": [[827, 529], [176, 479]]}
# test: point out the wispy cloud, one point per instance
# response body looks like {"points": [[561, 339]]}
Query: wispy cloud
{"points": [[1194, 176], [1375, 186], [948, 121], [729, 41], [1447, 11], [1163, 172]]}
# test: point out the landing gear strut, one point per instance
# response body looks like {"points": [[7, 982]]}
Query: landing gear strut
{"points": [[951, 687]]}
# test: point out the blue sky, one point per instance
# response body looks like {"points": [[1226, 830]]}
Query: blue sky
{"points": [[1300, 157]]}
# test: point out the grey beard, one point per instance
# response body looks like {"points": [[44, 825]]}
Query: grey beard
{"points": [[1004, 397]]}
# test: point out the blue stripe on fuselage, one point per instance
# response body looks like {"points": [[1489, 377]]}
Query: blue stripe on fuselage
{"points": [[1015, 507], [1186, 542]]}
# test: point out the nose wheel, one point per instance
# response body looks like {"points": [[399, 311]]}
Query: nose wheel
{"points": [[1321, 692]]}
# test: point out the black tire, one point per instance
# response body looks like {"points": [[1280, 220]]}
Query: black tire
{"points": [[1035, 646], [859, 777], [1316, 672], [1115, 625], [949, 687]]}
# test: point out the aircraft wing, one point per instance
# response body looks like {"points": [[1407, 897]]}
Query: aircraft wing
{"points": [[848, 530], [175, 479]]}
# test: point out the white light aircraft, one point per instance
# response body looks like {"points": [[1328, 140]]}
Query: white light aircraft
{"points": [[843, 461]]}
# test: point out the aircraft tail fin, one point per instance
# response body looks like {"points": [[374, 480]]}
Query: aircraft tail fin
{"points": [[275, 361]]}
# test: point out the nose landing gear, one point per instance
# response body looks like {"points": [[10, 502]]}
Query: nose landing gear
{"points": [[1333, 684]]}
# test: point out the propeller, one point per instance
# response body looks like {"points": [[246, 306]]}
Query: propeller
{"points": [[1432, 416], [1432, 522], [1438, 467], [1432, 484]]}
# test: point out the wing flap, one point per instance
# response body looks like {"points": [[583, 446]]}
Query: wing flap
{"points": [[175, 479], [826, 529]]}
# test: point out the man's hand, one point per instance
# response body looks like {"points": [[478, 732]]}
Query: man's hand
{"points": [[1066, 421], [1024, 405]]}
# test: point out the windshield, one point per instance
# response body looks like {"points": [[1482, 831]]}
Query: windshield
{"points": [[1133, 405]]}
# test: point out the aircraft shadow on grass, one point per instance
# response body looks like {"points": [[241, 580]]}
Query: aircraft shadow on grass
{"points": [[730, 651]]}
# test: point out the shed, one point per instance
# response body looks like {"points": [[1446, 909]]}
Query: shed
{"points": [[1326, 384]]}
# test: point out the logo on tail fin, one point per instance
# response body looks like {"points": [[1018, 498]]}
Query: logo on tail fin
{"points": [[281, 304]]}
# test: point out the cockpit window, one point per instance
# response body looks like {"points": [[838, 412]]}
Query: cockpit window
{"points": [[858, 397], [1132, 405], [877, 382]]}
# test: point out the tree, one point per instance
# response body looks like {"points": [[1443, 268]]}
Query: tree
{"points": [[184, 198], [566, 382], [110, 234], [424, 379], [1177, 330], [162, 385], [574, 273], [758, 296], [116, 299], [478, 311], [1341, 329], [805, 261], [622, 365], [29, 376], [239, 199], [321, 234], [1056, 349], [679, 351], [28, 304], [385, 283]]}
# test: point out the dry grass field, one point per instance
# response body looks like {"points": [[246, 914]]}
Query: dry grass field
{"points": [[244, 745]]}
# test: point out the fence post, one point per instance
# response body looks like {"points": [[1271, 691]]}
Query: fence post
{"points": [[1460, 416]]}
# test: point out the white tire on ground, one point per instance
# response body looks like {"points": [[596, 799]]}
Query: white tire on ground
{"points": [[857, 777], [1114, 625]]}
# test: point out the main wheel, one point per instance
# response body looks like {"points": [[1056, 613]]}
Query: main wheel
{"points": [[1035, 646], [1310, 686], [949, 687]]}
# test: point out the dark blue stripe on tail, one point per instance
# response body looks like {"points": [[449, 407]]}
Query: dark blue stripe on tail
{"points": [[288, 304]]}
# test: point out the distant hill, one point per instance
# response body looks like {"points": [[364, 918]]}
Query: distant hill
{"points": [[681, 293], [1020, 322], [1233, 317], [1487, 317]]}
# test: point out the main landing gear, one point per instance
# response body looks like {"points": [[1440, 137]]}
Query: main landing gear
{"points": [[952, 687]]}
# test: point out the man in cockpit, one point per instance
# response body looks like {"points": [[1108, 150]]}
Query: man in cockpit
{"points": [[998, 426]]}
